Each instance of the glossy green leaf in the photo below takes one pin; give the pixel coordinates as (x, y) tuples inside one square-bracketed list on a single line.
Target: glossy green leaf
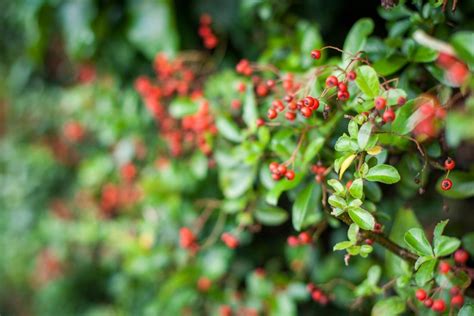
[(383, 173), (425, 272), (336, 201), (368, 81), (416, 240), (228, 129), (313, 148), (356, 39), (352, 232), (446, 246), (342, 245), (361, 217), (337, 186), (357, 188), (467, 310), (364, 135), (391, 306), (305, 202), (270, 215), (250, 112)]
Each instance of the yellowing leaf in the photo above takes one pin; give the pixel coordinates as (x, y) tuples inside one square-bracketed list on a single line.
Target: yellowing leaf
[(374, 150), (345, 164)]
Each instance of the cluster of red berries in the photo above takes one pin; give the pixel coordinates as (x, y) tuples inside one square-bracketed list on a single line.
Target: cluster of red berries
[(342, 93), (431, 113), (128, 172), (230, 240), (177, 77), (306, 107), (205, 32), (457, 72), (304, 238), (280, 170), (320, 172), (449, 165), (198, 126), (187, 239), (388, 115), (439, 305), (317, 294), (114, 197), (243, 67)]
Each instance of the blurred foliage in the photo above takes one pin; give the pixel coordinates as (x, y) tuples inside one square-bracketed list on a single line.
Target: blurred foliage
[(72, 61)]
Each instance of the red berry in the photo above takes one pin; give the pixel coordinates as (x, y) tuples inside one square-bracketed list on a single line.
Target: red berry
[(281, 169), (401, 100), (342, 86), (225, 310), (290, 116), (204, 284), (278, 105), (445, 60), (446, 184), (308, 101), (262, 90), (388, 115), (306, 111), (315, 54), (240, 87), (380, 103), (293, 241), (273, 167), (260, 122), (378, 228), (292, 106), (235, 104), (331, 81), (315, 105), (444, 267), (270, 83), (310, 287), (276, 176), (351, 76), (316, 295), (342, 95), (438, 305), (461, 256), (288, 98), (449, 164), (290, 175), (457, 73), (454, 291), (428, 302), (186, 237), (305, 238), (457, 300), (230, 240), (421, 294), (369, 242), (272, 114)]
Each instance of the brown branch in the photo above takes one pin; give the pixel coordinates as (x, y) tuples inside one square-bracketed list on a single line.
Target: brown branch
[(382, 240)]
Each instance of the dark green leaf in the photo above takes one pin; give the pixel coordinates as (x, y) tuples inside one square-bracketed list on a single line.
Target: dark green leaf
[(356, 39), (425, 272), (305, 201), (415, 239)]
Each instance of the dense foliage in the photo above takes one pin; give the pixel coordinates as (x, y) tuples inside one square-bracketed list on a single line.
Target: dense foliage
[(236, 157)]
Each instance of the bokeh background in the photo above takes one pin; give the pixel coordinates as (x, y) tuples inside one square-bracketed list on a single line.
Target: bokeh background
[(71, 61)]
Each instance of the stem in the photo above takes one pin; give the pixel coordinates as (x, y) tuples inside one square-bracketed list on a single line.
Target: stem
[(382, 240)]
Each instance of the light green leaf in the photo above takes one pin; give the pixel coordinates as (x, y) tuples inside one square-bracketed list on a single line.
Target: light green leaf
[(357, 188), (391, 306), (368, 81), (352, 232), (336, 201), (313, 149), (345, 143), (305, 201), (363, 218), (364, 135), (383, 173), (228, 129), (467, 310), (425, 272), (250, 113), (356, 39), (337, 186), (415, 239), (446, 246), (342, 245)]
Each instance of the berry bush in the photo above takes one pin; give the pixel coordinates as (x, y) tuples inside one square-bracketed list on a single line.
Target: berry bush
[(237, 157)]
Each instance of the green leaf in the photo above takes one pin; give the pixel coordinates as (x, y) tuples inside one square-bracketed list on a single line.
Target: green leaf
[(356, 39), (388, 66), (374, 274), (416, 240), (342, 245), (250, 113), (372, 191), (401, 123), (282, 185), (357, 188), (336, 201), (337, 186), (236, 180), (446, 246), (353, 129), (363, 218), (462, 43), (438, 231), (468, 243), (181, 107), (270, 215), (313, 148), (423, 54), (425, 272), (365, 250), (368, 81), (391, 306), (152, 27), (466, 310), (352, 232), (383, 173), (364, 135), (228, 129), (421, 260), (463, 185), (305, 201), (345, 143)]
